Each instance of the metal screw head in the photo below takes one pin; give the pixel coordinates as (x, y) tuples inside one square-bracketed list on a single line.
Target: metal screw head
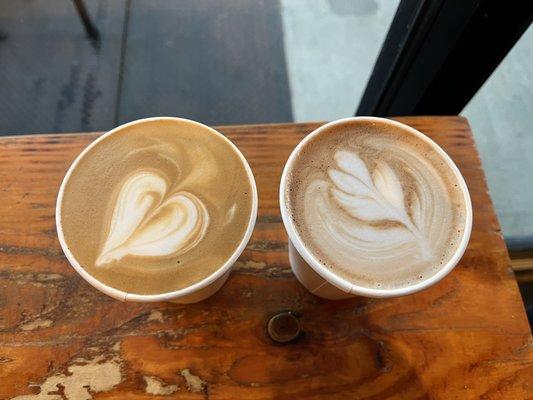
[(283, 327)]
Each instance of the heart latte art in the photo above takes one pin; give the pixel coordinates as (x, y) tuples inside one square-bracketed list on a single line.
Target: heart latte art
[(375, 204), (148, 223), (157, 206)]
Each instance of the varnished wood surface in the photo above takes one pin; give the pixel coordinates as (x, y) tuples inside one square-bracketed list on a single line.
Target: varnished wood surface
[(465, 338)]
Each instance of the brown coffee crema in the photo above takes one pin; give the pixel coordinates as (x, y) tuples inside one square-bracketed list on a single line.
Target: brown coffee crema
[(376, 204), (157, 206)]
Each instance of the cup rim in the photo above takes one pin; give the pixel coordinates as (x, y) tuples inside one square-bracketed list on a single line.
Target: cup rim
[(127, 296), (340, 282)]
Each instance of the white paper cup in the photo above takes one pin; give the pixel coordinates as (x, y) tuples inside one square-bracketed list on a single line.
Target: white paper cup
[(320, 280), (192, 294)]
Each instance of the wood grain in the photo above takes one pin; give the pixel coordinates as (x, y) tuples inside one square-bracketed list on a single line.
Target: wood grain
[(466, 337)]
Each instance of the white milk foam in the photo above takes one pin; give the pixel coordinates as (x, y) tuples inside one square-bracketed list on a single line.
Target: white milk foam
[(144, 225), (376, 205)]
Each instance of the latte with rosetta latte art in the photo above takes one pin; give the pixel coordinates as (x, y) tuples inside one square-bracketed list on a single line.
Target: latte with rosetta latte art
[(156, 206), (375, 204)]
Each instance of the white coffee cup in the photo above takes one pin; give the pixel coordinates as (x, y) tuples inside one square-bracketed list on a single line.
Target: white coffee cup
[(191, 294), (320, 280)]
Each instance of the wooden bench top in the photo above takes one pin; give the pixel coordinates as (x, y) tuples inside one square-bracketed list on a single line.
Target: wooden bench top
[(466, 337)]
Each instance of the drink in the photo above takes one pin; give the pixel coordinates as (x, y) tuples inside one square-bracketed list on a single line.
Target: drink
[(156, 206), (376, 204)]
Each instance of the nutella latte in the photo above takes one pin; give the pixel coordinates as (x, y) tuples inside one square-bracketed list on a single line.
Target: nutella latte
[(156, 206), (375, 204)]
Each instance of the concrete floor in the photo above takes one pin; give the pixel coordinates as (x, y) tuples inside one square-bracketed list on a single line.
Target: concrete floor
[(330, 49)]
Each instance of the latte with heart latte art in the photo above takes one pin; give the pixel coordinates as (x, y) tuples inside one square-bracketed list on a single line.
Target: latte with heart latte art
[(156, 206)]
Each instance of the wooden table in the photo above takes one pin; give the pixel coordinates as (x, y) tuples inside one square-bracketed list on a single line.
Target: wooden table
[(465, 338)]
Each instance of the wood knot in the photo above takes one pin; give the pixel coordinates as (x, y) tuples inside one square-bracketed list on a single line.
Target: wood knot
[(283, 327)]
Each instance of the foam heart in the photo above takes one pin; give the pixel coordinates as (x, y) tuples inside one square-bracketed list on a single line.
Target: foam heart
[(148, 223)]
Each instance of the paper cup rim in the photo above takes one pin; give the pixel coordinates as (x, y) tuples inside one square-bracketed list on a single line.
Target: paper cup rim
[(176, 294), (335, 279)]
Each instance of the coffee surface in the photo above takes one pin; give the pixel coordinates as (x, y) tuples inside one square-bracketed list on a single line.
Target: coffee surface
[(375, 204), (157, 206)]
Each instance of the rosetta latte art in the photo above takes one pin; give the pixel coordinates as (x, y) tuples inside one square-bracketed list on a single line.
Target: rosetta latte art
[(375, 204), (358, 213), (377, 197), (149, 222)]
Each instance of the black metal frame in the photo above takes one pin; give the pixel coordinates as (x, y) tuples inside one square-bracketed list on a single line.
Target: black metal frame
[(438, 53)]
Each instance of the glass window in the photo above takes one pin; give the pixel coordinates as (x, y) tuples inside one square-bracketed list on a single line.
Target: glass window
[(501, 117)]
